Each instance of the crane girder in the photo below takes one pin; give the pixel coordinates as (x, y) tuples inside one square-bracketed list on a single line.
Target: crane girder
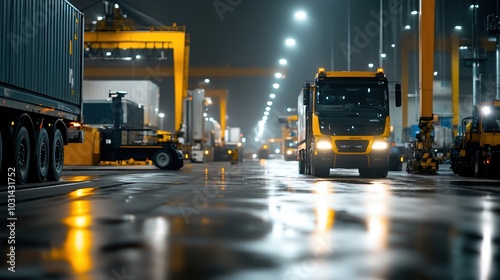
[(163, 71)]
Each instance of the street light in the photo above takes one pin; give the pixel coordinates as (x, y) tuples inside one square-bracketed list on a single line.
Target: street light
[(290, 42), (278, 75), (276, 85), (161, 115), (283, 61), (300, 15)]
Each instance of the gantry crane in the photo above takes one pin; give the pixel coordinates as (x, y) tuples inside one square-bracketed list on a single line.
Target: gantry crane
[(115, 32), (118, 33)]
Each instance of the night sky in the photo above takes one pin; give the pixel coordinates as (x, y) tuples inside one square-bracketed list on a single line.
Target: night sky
[(251, 33)]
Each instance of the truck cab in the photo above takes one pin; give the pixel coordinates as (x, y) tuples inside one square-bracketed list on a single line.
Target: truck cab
[(344, 122)]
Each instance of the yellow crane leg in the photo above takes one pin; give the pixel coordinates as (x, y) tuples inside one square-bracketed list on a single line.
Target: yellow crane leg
[(222, 95), (426, 50), (423, 160), (455, 68)]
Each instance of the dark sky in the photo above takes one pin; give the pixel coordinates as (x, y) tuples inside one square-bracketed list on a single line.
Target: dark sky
[(251, 33)]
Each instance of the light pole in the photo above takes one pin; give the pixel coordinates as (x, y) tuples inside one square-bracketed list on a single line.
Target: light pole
[(161, 115)]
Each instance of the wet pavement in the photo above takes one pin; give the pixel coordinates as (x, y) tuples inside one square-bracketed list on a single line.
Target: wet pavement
[(254, 220)]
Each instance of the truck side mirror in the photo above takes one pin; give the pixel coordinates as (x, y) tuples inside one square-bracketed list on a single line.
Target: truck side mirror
[(306, 93), (398, 95)]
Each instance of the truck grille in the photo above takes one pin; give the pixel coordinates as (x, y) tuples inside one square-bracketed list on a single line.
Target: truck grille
[(351, 146)]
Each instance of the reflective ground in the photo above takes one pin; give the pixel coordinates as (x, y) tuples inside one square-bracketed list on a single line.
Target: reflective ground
[(254, 220)]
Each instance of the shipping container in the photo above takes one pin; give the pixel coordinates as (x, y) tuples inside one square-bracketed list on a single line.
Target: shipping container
[(41, 71), (41, 53)]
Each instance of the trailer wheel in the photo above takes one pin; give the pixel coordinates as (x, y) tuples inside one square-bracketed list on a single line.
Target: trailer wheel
[(478, 164), (162, 159), (56, 157), (22, 155), (42, 157)]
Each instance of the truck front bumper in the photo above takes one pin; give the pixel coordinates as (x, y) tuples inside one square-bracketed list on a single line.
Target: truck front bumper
[(371, 160)]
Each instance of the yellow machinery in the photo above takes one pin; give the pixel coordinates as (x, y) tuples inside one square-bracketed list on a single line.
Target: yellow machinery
[(478, 150), (344, 122)]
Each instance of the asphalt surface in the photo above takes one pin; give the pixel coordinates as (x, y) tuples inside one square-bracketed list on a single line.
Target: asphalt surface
[(254, 220)]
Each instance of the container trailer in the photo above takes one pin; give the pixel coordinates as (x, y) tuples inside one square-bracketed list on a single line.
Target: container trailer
[(41, 68)]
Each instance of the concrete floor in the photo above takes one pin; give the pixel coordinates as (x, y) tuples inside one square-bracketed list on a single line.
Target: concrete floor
[(254, 220)]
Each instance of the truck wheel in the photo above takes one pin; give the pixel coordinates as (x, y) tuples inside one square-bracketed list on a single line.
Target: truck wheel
[(466, 171), (302, 163), (42, 157), (22, 155), (309, 163), (321, 171), (162, 159), (373, 172), (56, 156), (178, 163), (454, 164), (478, 164)]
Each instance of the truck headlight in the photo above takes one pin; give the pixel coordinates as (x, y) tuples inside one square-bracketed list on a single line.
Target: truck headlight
[(289, 152), (379, 145), (324, 145)]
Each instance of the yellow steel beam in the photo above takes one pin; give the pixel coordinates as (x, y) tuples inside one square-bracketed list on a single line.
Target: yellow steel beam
[(426, 51), (455, 87), (174, 38), (92, 72)]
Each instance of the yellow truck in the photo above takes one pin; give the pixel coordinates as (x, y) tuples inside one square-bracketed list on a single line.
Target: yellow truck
[(344, 122)]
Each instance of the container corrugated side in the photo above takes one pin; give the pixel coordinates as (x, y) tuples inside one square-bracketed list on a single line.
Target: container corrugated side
[(41, 50)]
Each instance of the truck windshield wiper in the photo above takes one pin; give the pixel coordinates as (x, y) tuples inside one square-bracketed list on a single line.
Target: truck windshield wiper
[(376, 108)]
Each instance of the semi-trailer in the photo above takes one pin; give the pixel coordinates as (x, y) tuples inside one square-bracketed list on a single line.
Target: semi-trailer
[(41, 70)]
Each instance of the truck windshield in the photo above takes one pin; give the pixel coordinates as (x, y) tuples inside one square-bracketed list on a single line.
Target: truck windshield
[(346, 94), (352, 106), (491, 122)]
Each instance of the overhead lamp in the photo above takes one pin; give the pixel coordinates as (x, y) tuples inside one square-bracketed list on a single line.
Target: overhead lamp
[(290, 42), (300, 15)]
